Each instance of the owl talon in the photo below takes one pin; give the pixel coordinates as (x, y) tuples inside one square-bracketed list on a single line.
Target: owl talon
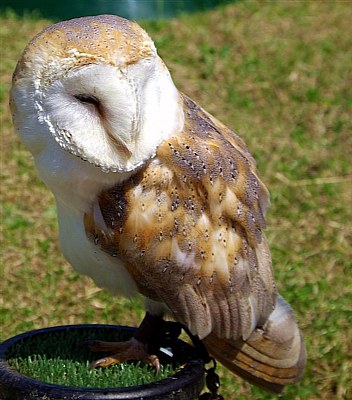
[(153, 361), (102, 362)]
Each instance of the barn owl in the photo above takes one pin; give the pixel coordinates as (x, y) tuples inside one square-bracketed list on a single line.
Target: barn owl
[(154, 195)]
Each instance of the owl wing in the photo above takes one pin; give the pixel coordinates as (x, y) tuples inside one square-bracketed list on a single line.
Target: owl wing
[(188, 226)]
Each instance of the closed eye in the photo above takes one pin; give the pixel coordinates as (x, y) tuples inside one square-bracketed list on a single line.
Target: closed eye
[(87, 99)]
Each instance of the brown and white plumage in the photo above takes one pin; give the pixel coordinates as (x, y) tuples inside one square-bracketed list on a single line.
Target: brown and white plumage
[(155, 195)]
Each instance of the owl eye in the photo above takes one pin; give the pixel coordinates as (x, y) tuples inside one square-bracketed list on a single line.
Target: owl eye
[(87, 99)]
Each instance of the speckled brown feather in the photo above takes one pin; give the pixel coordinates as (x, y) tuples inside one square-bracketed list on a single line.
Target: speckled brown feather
[(189, 227)]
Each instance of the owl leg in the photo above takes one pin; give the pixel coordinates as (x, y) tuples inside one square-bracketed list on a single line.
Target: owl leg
[(148, 338)]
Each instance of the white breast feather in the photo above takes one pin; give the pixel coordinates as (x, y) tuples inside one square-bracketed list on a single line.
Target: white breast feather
[(88, 259)]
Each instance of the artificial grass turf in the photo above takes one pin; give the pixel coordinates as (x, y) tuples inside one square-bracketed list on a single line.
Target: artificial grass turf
[(59, 358)]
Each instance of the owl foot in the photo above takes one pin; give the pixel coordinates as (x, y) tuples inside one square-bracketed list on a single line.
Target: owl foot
[(152, 334), (133, 349)]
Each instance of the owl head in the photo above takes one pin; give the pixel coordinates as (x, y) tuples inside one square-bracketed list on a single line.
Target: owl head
[(93, 89)]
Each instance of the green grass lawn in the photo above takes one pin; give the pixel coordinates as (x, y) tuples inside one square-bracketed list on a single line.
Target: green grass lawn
[(279, 74)]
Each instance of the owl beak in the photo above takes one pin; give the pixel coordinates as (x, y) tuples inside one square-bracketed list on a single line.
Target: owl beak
[(118, 143), (121, 147)]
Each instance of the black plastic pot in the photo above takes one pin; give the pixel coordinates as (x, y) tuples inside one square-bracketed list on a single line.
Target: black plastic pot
[(186, 384)]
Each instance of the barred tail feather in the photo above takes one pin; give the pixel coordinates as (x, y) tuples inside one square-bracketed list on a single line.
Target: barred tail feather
[(272, 357)]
